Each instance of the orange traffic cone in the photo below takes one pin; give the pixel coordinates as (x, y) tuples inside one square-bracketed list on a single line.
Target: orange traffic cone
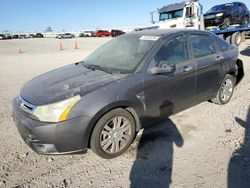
[(75, 45), (18, 50), (61, 46)]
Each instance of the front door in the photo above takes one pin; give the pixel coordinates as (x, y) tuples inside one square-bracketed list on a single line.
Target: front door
[(170, 92)]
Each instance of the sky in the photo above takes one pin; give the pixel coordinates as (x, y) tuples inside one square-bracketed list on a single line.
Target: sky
[(37, 15)]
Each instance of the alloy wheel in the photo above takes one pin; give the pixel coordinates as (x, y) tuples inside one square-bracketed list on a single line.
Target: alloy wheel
[(226, 90), (116, 134)]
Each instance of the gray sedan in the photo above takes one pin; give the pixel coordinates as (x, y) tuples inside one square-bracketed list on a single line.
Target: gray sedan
[(125, 85), (65, 36)]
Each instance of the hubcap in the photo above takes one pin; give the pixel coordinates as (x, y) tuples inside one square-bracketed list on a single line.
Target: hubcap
[(115, 134), (226, 90)]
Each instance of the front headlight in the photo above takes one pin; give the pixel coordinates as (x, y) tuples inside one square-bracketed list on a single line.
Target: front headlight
[(219, 14), (56, 112)]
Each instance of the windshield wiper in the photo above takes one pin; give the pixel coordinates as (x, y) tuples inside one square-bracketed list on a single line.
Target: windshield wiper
[(98, 67), (85, 65)]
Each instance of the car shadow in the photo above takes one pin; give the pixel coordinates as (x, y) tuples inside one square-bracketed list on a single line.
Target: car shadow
[(154, 158), (245, 52), (239, 164)]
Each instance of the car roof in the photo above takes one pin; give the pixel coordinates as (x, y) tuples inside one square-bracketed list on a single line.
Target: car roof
[(165, 32), (235, 2)]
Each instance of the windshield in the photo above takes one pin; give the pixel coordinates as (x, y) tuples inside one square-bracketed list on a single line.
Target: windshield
[(171, 15), (121, 54), (219, 8)]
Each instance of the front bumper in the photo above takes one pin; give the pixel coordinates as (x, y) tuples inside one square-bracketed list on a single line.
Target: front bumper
[(70, 136), (217, 21)]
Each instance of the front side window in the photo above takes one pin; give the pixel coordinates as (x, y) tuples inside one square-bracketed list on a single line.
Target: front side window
[(236, 7), (175, 51), (202, 45)]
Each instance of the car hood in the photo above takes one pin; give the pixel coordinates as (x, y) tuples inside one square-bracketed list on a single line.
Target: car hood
[(65, 82)]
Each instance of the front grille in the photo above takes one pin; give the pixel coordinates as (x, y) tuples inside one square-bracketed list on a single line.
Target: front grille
[(209, 17)]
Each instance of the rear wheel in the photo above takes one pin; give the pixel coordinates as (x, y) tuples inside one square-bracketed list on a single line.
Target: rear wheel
[(113, 133), (236, 38), (225, 92)]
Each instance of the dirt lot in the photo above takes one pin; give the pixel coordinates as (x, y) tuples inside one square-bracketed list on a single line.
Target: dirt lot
[(199, 147)]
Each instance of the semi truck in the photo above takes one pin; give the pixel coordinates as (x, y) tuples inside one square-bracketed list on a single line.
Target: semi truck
[(189, 14)]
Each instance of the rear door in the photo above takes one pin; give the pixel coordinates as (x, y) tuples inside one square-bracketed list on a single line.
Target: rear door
[(209, 62)]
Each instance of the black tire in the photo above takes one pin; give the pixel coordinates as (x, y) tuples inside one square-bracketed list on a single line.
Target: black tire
[(114, 136), (226, 23), (220, 99), (236, 38)]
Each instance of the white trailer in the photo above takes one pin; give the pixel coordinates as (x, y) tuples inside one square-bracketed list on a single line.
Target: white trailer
[(189, 14)]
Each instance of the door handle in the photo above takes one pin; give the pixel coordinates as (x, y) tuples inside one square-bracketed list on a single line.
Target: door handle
[(187, 69), (218, 58)]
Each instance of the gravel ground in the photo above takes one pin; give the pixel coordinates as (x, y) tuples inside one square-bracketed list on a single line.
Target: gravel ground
[(199, 147)]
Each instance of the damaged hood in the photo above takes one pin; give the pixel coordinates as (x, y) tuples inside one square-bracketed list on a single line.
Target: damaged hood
[(65, 82)]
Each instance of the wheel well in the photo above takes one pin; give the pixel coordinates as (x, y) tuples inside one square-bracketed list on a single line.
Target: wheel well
[(127, 108), (239, 71), (231, 73)]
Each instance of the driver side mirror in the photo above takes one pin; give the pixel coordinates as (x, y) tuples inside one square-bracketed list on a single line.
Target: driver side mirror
[(164, 67)]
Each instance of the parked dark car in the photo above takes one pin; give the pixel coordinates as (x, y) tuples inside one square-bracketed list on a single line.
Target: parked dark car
[(15, 36), (2, 36), (31, 35), (8, 36), (125, 85), (115, 33), (65, 36), (227, 14), (23, 36), (39, 35)]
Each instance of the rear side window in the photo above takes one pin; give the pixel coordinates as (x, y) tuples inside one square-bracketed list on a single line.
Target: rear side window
[(223, 45), (202, 45)]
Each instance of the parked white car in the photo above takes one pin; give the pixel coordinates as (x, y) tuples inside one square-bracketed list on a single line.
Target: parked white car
[(86, 34)]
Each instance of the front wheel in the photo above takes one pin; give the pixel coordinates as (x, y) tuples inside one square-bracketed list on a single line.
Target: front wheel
[(225, 92), (113, 133), (245, 21), (226, 23)]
